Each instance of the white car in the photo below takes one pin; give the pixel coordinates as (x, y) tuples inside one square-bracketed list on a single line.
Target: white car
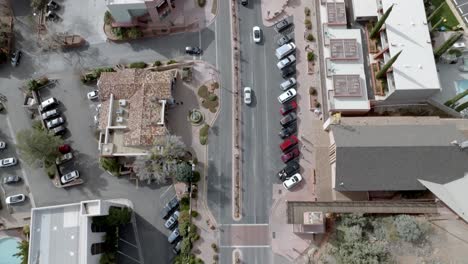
[(288, 83), (247, 95), (69, 177), (93, 95), (55, 122), (2, 145), (286, 62), (14, 199), (8, 162), (286, 96), (293, 181), (257, 34)]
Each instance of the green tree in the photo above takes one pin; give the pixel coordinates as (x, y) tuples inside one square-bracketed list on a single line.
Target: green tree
[(379, 24), (447, 44), (36, 145), (169, 148), (110, 164), (23, 251), (408, 228), (184, 172), (432, 15), (134, 33), (118, 216), (383, 72)]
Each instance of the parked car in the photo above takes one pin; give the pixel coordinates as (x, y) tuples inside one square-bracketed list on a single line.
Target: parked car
[(169, 208), (59, 130), (287, 96), (93, 95), (8, 162), (247, 95), (193, 50), (294, 153), (281, 25), (52, 5), (64, 149), (287, 131), (55, 122), (15, 58), (289, 143), (64, 158), (286, 62), (257, 34), (283, 40), (177, 247), (52, 16), (2, 145), (289, 170), (244, 2), (288, 107), (288, 71), (293, 181), (174, 236), (172, 221), (285, 50), (69, 177), (288, 83), (288, 119), (11, 179), (49, 114), (48, 104), (14, 199)]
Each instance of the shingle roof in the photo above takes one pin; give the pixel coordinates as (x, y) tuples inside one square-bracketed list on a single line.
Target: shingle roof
[(394, 157)]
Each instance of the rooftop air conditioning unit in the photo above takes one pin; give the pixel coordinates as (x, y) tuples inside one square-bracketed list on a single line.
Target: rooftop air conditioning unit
[(123, 102), (119, 119)]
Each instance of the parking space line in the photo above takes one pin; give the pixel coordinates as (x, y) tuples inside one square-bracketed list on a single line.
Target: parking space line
[(162, 194), (121, 239), (135, 260), (463, 4), (455, 1)]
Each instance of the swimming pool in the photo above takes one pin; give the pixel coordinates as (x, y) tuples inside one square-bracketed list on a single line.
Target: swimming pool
[(462, 85), (7, 249)]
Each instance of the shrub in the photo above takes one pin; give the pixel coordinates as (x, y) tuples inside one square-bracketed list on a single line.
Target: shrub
[(203, 91), (196, 176), (215, 85), (310, 56), (171, 62), (215, 257), (186, 246), (212, 97), (107, 18), (203, 140), (134, 33), (119, 32), (194, 214), (312, 91), (137, 65), (455, 52), (201, 3), (204, 130), (157, 63), (308, 23), (306, 11), (37, 125), (51, 170), (310, 37), (408, 228), (111, 165), (214, 247), (185, 203), (317, 104)]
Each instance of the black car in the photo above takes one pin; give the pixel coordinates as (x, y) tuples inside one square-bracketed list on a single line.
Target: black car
[(60, 130), (15, 58), (193, 50), (244, 2), (288, 119), (283, 40), (52, 16), (291, 168), (52, 5), (11, 179), (288, 71), (169, 208), (282, 25), (287, 131), (50, 114)]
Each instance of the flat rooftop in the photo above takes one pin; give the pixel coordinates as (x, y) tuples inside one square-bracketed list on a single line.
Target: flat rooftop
[(56, 234), (364, 8), (344, 49), (407, 30), (120, 2), (347, 85), (336, 13)]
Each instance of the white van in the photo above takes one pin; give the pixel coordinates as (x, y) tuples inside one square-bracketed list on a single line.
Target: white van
[(47, 104), (287, 96), (285, 50)]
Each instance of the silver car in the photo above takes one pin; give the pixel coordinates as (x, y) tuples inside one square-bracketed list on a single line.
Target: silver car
[(55, 122), (8, 162), (69, 177), (14, 199), (174, 236)]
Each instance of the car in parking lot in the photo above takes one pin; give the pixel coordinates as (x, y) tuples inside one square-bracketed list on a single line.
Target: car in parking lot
[(14, 199), (8, 162), (257, 34), (2, 145), (52, 16), (289, 143), (288, 83), (283, 40), (288, 107), (52, 5), (169, 208), (93, 95), (286, 62), (174, 236), (288, 71), (59, 130), (285, 50), (288, 119), (50, 114), (64, 149), (15, 57), (193, 50), (247, 95), (11, 179), (244, 2), (55, 122), (287, 96), (69, 177), (294, 153), (292, 181), (48, 104), (289, 170), (281, 25), (172, 221), (64, 158), (287, 131), (177, 247)]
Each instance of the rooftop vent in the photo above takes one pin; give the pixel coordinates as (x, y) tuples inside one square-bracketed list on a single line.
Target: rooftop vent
[(119, 119), (123, 102)]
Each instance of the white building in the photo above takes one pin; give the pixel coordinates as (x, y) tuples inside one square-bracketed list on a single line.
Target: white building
[(364, 10), (63, 234)]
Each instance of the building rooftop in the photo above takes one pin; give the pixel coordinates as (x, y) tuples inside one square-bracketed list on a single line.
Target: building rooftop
[(394, 157), (336, 13), (120, 2), (347, 85), (364, 8), (407, 30), (344, 49)]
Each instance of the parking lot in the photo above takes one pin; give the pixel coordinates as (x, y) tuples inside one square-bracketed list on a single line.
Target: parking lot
[(462, 7)]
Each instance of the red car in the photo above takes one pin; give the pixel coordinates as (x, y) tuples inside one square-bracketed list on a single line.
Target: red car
[(64, 149), (288, 143), (288, 107), (290, 155)]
